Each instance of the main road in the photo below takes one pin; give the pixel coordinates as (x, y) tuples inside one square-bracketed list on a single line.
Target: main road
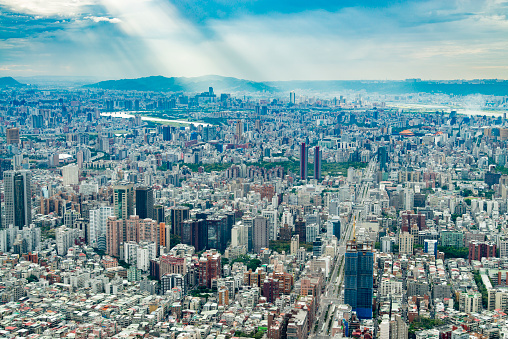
[(333, 290)]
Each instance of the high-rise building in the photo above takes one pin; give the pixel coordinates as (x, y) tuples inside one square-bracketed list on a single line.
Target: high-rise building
[(144, 202), (301, 229), (178, 214), (303, 161), (65, 238), (12, 136), (292, 97), (123, 200), (260, 236), (98, 224), (295, 244), (382, 158), (18, 198), (115, 236), (70, 174), (317, 163), (406, 243), (239, 129), (358, 278), (481, 249), (209, 268), (166, 133), (159, 214), (194, 233)]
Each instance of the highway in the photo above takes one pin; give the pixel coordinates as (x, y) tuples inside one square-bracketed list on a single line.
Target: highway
[(332, 290)]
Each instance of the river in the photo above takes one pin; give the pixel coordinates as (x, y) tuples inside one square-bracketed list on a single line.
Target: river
[(127, 115)]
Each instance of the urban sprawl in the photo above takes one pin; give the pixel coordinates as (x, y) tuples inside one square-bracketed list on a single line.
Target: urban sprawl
[(129, 214)]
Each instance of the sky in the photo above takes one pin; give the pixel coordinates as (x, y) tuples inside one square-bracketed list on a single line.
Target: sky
[(256, 39)]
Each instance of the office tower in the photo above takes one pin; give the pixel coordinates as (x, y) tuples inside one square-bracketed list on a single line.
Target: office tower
[(303, 161), (144, 202), (336, 226), (301, 230), (177, 215), (5, 165), (158, 214), (216, 229), (70, 174), (317, 163), (260, 236), (98, 224), (311, 232), (123, 200), (317, 247), (18, 198), (358, 278), (272, 216), (12, 136), (166, 133), (382, 158), (194, 233), (292, 97)]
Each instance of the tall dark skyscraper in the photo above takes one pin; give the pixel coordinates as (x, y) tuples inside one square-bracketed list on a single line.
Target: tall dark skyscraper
[(382, 157), (178, 214), (166, 133), (144, 202), (317, 163), (303, 161), (18, 198), (159, 214), (359, 272)]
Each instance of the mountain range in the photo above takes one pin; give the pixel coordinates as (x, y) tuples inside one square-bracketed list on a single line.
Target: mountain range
[(183, 84), (9, 82), (222, 84), (229, 85)]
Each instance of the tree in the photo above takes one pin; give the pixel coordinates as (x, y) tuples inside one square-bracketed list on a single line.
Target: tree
[(175, 240)]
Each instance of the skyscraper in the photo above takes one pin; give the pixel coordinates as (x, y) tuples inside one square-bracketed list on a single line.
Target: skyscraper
[(178, 214), (303, 161), (317, 163), (260, 235), (359, 272), (18, 198), (70, 174), (123, 201), (144, 202), (12, 136)]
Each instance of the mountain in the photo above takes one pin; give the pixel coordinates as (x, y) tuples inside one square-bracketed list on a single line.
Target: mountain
[(398, 87), (178, 84), (9, 82)]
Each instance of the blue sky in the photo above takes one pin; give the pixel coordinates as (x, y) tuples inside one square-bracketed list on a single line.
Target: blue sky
[(258, 40)]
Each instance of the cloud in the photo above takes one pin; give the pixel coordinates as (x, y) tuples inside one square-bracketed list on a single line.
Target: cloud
[(66, 8), (103, 19), (259, 40)]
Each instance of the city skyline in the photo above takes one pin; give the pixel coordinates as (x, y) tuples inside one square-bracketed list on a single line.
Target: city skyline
[(255, 40)]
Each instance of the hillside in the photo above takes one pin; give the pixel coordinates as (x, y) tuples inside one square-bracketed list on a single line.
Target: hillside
[(182, 84)]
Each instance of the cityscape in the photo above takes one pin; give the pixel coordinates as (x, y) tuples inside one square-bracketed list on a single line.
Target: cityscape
[(251, 169), (207, 215)]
